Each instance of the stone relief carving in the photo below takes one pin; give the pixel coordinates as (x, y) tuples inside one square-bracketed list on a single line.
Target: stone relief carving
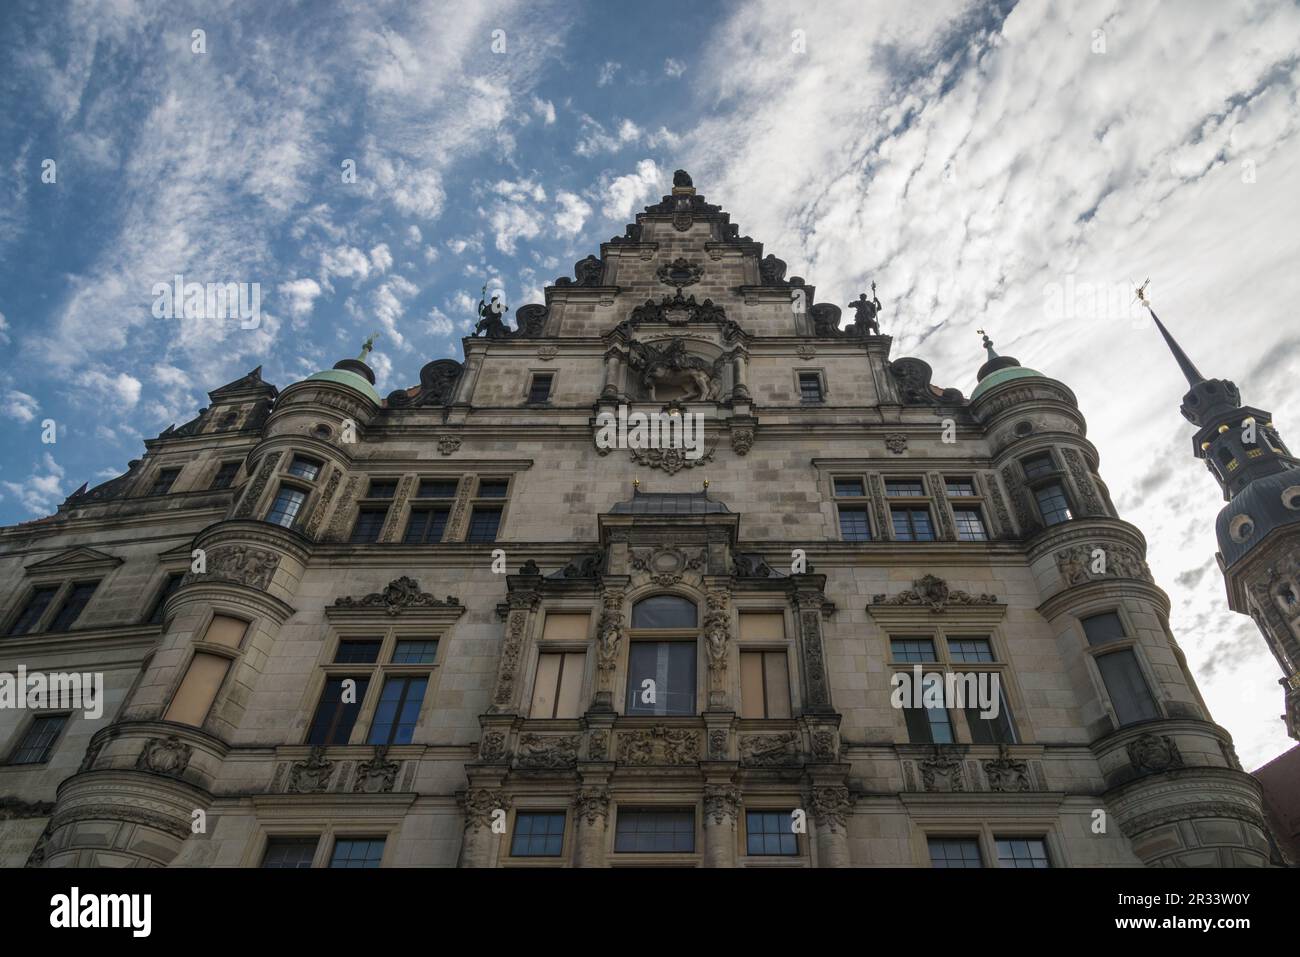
[(258, 485), (896, 442), (311, 776), (1154, 753), (680, 272), (948, 531), (673, 365), (933, 593), (323, 503), (771, 271), (717, 637), (1077, 563), (438, 380), (814, 668), (169, 756), (659, 745), (912, 378), (1083, 481), (598, 746), (241, 564), (12, 808), (547, 752), (1005, 773), (941, 771), (878, 503), (398, 595), (448, 444), (671, 461), (667, 564), (343, 510), (679, 310), (1019, 501), (993, 495), (396, 508), (547, 353), (742, 440), (591, 805), (378, 775), (769, 750), (479, 805), (492, 749), (823, 746), (521, 606), (831, 805), (721, 802), (718, 745)]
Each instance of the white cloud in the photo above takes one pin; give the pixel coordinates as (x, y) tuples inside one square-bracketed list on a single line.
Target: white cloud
[(625, 193), (4, 330), (346, 261), (596, 139), (19, 405), (573, 213), (413, 235), (123, 388), (430, 254), (380, 258), (511, 222), (41, 492), (440, 323), (545, 109), (388, 306), (520, 190), (674, 68), (301, 295), (458, 244), (382, 367), (607, 71)]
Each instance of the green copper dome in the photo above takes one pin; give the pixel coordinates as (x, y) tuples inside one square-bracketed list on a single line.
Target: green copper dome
[(350, 379), (1001, 376)]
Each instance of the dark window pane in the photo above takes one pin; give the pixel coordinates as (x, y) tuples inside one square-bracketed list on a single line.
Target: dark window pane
[(73, 606), (382, 488), (540, 390), (304, 468), (225, 476), (654, 831), (415, 652), (290, 852), (955, 852), (770, 832), (854, 525), (912, 649), (929, 725), (437, 488), (354, 652), (538, 834), (398, 710), (335, 717), (999, 730), (904, 487), (285, 508), (960, 488), (38, 742), (912, 524), (1037, 465), (849, 488), (36, 605), (172, 583), (810, 387), (493, 488), (1022, 852), (670, 665), (1104, 628), (970, 649), (426, 526), (357, 852), (483, 525), (1053, 504), (163, 483), (1129, 694), (970, 525), (664, 611), (370, 523)]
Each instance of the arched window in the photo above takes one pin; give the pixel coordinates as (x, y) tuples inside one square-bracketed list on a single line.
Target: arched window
[(661, 671)]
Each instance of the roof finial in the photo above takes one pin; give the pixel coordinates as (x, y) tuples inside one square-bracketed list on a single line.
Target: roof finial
[(367, 347), (988, 344), (1190, 371)]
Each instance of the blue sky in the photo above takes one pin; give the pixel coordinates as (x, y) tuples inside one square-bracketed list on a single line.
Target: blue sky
[(1010, 166)]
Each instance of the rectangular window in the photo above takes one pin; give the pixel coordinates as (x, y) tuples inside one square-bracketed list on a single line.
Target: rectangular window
[(540, 390), (162, 484), (929, 725), (810, 387), (285, 508), (38, 743), (398, 710), (304, 468), (968, 650), (1053, 504), (357, 852), (557, 692), (912, 524), (764, 684), (646, 831), (198, 689), (294, 853), (225, 476), (970, 525), (369, 526), (670, 667), (73, 606), (854, 524), (1129, 694), (415, 651), (538, 834), (493, 488), (912, 488), (955, 852), (849, 488), (437, 488), (223, 630), (335, 716), (426, 526), (34, 610), (999, 730), (960, 487), (1104, 628), (563, 626), (382, 488), (169, 587), (354, 651), (1022, 852), (483, 524), (912, 649), (1038, 465), (770, 833)]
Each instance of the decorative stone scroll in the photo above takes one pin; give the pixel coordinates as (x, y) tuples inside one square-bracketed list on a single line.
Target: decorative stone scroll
[(169, 756), (378, 775), (241, 564), (398, 595), (659, 745), (1080, 564), (1005, 773), (769, 750), (311, 776), (933, 593), (547, 752)]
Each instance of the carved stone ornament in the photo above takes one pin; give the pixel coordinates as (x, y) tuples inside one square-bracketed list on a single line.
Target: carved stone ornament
[(259, 483), (378, 775), (769, 750), (753, 566), (169, 756), (598, 746), (1005, 773), (448, 444), (480, 805), (806, 352), (721, 802), (941, 771), (771, 271), (1080, 564), (742, 440), (823, 746), (673, 364), (671, 461), (896, 442), (437, 386), (831, 806), (588, 272), (717, 745), (934, 593), (547, 752), (398, 595), (492, 749), (547, 353), (912, 378), (311, 776), (679, 310), (668, 564), (659, 745), (1154, 753), (13, 808), (241, 564), (680, 272), (591, 805)]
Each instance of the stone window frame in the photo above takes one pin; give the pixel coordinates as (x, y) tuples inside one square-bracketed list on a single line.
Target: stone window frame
[(64, 577), (820, 371), (770, 803), (928, 499), (198, 646), (1131, 642), (623, 673), (388, 634), (533, 373), (863, 502), (1041, 823), (539, 804), (654, 802), (475, 501), (157, 592), (976, 501), (366, 500), (1058, 476), (540, 646), (326, 827), (147, 488), (939, 634), (794, 675), (24, 727), (220, 462)]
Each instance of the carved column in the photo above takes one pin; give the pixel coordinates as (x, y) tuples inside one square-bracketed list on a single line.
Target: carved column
[(613, 373), (830, 811), (481, 843), (717, 643), (942, 507), (609, 643), (523, 600), (591, 814), (809, 597), (721, 808), (740, 374)]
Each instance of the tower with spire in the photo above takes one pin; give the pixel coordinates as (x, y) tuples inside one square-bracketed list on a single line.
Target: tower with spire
[(1258, 530)]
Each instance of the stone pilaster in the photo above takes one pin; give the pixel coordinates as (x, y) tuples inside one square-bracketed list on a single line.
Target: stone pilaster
[(721, 809), (591, 817), (485, 819), (831, 805), (809, 599), (522, 602)]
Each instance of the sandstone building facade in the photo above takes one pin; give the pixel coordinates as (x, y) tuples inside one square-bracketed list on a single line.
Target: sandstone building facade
[(448, 628)]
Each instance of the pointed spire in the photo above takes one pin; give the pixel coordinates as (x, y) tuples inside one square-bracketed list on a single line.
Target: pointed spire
[(1193, 374), (988, 345)]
